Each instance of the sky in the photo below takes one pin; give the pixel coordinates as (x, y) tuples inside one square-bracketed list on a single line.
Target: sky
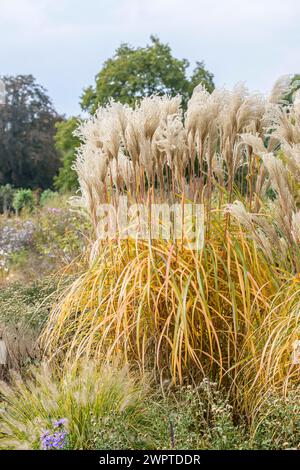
[(64, 43)]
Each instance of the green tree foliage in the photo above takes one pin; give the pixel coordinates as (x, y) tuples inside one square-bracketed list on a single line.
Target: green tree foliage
[(201, 75), (23, 198), (47, 196), (6, 197), (66, 144), (295, 85), (28, 157), (133, 73)]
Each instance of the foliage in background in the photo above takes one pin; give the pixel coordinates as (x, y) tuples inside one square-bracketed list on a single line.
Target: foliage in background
[(40, 242), (47, 197), (66, 144), (15, 237), (23, 199), (28, 157), (6, 198), (295, 85), (201, 76), (61, 235), (133, 73)]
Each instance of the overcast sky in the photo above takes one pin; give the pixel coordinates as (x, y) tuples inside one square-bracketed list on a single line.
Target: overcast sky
[(63, 43)]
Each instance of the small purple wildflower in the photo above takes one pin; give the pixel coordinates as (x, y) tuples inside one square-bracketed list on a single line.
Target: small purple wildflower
[(57, 439), (60, 423)]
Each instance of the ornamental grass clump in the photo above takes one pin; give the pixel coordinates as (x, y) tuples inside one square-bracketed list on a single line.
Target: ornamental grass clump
[(227, 309), (178, 311), (51, 410)]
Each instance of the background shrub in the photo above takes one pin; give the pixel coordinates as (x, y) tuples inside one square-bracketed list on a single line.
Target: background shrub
[(23, 198), (47, 196), (6, 197)]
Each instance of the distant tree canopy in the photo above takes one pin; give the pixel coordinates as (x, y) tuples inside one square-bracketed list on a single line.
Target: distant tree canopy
[(66, 145), (28, 157), (133, 73)]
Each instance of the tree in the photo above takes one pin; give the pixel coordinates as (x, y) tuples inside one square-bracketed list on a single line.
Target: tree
[(133, 73), (66, 144), (23, 198), (28, 157), (201, 75)]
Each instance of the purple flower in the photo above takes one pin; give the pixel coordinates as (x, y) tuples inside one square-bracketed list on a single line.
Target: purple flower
[(54, 441), (57, 439), (61, 422)]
